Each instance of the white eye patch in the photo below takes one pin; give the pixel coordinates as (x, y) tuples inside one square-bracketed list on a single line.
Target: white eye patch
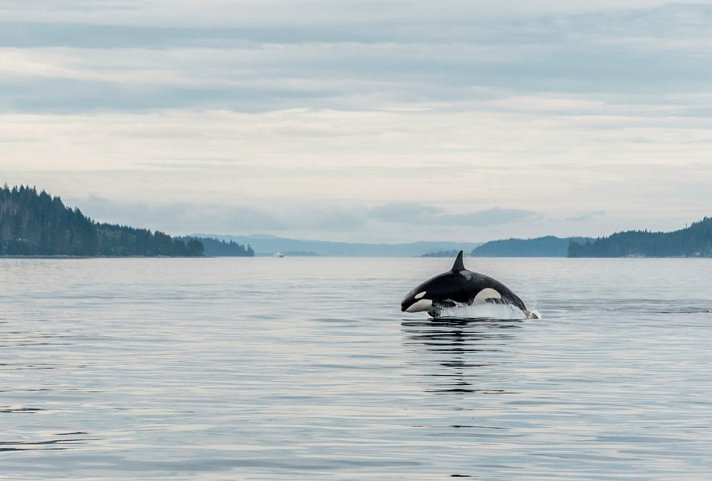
[(419, 295)]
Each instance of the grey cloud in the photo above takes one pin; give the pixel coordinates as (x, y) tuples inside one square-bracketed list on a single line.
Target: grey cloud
[(430, 215), (82, 35), (296, 216), (137, 214), (448, 60), (401, 211), (334, 218), (493, 216), (71, 95), (187, 218), (290, 13), (492, 91), (584, 216)]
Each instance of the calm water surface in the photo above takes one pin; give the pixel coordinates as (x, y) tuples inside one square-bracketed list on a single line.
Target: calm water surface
[(304, 369)]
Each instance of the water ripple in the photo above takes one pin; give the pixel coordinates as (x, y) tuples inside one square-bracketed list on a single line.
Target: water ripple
[(221, 369)]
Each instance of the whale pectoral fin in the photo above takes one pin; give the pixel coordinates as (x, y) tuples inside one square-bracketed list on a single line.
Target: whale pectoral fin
[(447, 303)]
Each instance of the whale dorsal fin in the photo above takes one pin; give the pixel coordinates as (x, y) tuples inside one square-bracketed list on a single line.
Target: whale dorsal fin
[(458, 265)]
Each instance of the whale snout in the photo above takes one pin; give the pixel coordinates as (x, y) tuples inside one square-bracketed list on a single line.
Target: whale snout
[(413, 302)]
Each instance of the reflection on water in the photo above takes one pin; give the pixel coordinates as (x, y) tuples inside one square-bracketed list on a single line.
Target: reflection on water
[(451, 353)]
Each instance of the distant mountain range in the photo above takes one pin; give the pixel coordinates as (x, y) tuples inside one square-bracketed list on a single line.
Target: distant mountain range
[(267, 245), (693, 241), (549, 246)]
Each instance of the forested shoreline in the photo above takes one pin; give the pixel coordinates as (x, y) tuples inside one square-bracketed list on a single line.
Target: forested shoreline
[(692, 241), (36, 224), (548, 246)]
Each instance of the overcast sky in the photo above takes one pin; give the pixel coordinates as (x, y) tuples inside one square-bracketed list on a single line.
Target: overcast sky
[(363, 120)]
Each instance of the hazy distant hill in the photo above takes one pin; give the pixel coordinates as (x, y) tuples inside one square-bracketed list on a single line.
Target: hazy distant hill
[(548, 246), (268, 245), (36, 224), (693, 241)]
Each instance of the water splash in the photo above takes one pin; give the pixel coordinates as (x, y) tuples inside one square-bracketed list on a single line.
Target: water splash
[(506, 312)]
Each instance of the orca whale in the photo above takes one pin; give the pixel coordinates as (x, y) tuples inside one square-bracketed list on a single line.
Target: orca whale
[(459, 286)]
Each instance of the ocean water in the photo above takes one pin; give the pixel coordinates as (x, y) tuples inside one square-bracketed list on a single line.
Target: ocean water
[(305, 369)]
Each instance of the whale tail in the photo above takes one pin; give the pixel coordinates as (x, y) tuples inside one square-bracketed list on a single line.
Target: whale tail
[(459, 265)]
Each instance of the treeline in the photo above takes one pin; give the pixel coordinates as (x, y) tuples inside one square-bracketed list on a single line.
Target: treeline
[(121, 241), (219, 248), (549, 246), (37, 224), (693, 241)]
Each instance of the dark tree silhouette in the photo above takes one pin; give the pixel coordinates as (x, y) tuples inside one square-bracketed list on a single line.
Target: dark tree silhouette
[(36, 224), (693, 241), (219, 248), (548, 246)]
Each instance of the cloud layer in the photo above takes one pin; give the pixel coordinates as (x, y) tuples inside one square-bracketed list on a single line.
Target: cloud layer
[(363, 120)]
